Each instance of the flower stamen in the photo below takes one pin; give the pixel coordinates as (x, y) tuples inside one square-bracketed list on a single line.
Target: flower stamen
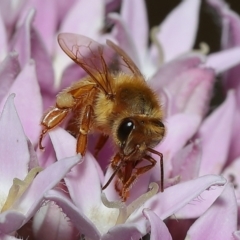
[(126, 211), (153, 36), (19, 187)]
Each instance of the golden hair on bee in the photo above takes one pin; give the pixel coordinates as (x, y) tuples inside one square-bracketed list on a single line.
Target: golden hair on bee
[(117, 105)]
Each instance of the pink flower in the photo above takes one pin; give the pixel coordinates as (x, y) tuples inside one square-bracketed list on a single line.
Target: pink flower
[(23, 182), (196, 146)]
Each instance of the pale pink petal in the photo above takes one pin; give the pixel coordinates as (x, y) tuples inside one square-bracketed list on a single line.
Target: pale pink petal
[(78, 218), (33, 156), (234, 149), (3, 40), (10, 221), (167, 73), (82, 12), (186, 162), (63, 142), (9, 69), (134, 15), (132, 231), (8, 237), (83, 181), (178, 31), (188, 86), (45, 20), (232, 174), (30, 201), (158, 228), (14, 155), (44, 68), (112, 5), (236, 235), (180, 128), (71, 74), (51, 223), (167, 203), (21, 41), (123, 36), (219, 221), (28, 44), (10, 11), (192, 90), (200, 204), (223, 60), (215, 144), (63, 7), (28, 101), (230, 21)]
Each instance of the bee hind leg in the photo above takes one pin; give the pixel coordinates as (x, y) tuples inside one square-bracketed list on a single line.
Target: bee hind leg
[(52, 119)]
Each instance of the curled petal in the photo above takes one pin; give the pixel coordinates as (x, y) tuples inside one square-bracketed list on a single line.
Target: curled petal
[(51, 223), (84, 11), (21, 42), (232, 174), (28, 100), (166, 203), (218, 62), (180, 128), (134, 19), (10, 221), (216, 145), (44, 181), (83, 181), (9, 69), (82, 223), (219, 221), (158, 228), (186, 163), (185, 23), (14, 157)]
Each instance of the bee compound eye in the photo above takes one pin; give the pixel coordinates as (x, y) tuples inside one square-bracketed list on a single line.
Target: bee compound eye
[(161, 124), (125, 129)]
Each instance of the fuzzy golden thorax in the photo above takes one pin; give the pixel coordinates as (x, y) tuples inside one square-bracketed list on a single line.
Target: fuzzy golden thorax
[(133, 117)]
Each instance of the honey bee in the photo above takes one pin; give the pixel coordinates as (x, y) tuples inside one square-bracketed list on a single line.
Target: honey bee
[(120, 105)]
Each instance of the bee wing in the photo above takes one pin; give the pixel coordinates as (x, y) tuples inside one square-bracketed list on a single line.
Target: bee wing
[(89, 54), (130, 64)]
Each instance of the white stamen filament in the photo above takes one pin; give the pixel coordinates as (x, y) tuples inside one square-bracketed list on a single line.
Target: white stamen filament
[(126, 211), (153, 36)]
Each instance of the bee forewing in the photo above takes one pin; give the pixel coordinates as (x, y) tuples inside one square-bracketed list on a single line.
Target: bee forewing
[(130, 64), (81, 49), (92, 56)]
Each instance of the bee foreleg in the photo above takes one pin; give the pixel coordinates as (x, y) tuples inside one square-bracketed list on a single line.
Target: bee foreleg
[(84, 130), (161, 166), (139, 171)]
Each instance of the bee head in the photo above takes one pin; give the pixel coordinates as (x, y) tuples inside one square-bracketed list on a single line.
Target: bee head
[(139, 133)]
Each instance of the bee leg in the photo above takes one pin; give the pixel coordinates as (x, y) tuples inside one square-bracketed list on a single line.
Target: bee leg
[(161, 166), (52, 119), (139, 171), (84, 129), (116, 166), (100, 143)]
